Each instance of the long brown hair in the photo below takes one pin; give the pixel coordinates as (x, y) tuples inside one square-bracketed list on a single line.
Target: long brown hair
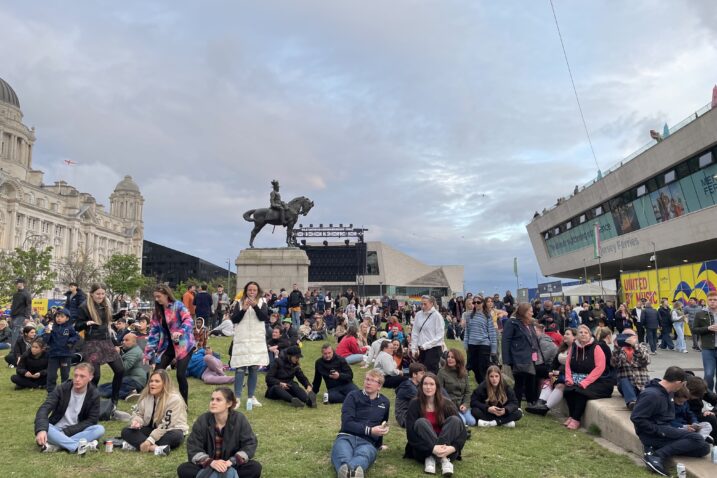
[(521, 310), (158, 309), (460, 362), (440, 404), (496, 395), (92, 307)]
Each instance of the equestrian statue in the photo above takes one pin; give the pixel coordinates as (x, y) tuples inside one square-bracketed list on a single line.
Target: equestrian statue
[(278, 213)]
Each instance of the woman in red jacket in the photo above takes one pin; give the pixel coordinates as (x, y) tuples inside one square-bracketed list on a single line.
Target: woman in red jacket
[(349, 348)]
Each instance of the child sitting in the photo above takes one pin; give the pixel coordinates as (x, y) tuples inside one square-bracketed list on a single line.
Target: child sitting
[(685, 419)]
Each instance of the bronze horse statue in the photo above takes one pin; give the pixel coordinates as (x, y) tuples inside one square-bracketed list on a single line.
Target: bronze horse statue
[(263, 216)]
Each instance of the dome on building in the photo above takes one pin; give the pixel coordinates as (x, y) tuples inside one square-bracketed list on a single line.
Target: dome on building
[(127, 185), (7, 94)]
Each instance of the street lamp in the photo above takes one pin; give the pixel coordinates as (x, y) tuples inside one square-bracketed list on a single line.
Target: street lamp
[(657, 270), (380, 289)]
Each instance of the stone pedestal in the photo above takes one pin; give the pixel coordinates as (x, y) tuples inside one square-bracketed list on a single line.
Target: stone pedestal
[(273, 268)]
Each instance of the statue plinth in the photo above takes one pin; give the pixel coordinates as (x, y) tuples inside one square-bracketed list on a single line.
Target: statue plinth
[(273, 268)]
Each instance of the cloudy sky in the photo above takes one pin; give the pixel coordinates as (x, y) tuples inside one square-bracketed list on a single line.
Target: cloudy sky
[(438, 125)]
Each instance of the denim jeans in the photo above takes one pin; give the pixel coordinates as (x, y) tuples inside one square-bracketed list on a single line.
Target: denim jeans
[(354, 358), (680, 344), (253, 372), (354, 451), (296, 319), (468, 418), (709, 362), (627, 390), (56, 437)]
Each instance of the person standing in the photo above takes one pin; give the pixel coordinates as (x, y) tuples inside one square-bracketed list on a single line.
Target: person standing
[(706, 328), (188, 299), (95, 319), (691, 310), (74, 298), (20, 308), (61, 338), (665, 314), (203, 303), (249, 350), (678, 323), (638, 320), (427, 334), (171, 336), (220, 304), (480, 338), (651, 321), (295, 302), (521, 351)]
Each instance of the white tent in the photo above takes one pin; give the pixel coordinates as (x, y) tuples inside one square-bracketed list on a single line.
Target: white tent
[(608, 289)]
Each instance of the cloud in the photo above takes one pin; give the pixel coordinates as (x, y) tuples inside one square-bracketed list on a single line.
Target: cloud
[(440, 126)]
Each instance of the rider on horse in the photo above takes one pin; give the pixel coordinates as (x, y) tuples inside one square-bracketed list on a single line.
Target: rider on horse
[(276, 203)]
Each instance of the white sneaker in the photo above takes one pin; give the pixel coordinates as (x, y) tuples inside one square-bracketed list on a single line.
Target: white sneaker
[(121, 416), (485, 423), (430, 465), (50, 448), (132, 397), (254, 402), (509, 425), (161, 450), (90, 446), (326, 398), (446, 467), (127, 446)]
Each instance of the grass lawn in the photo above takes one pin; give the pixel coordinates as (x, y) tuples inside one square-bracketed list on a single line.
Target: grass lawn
[(297, 443)]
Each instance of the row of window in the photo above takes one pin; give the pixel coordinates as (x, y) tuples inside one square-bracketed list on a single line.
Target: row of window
[(682, 170)]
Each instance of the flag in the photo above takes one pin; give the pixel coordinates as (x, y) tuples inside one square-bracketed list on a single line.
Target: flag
[(596, 249), (515, 266)]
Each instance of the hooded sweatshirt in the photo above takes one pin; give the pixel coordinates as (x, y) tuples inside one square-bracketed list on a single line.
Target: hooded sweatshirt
[(653, 413)]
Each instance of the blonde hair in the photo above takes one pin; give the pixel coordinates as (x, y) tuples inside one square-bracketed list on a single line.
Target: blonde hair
[(163, 399), (376, 374), (3, 322)]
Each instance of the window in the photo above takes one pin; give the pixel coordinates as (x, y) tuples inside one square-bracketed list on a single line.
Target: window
[(641, 190), (705, 160), (683, 170), (568, 225), (598, 210), (556, 231), (669, 176), (582, 218), (372, 263)]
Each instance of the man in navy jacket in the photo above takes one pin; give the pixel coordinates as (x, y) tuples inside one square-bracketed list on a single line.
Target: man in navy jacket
[(363, 425), (651, 417)]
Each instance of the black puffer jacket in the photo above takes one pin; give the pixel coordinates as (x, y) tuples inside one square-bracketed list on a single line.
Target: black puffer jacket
[(55, 406), (283, 371)]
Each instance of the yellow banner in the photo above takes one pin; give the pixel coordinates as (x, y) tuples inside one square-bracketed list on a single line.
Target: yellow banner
[(40, 305), (676, 283)]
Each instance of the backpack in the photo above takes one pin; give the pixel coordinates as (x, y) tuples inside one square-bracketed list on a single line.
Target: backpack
[(106, 409)]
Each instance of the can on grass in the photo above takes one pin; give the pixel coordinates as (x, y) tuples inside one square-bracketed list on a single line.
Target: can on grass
[(681, 470), (249, 404), (714, 455), (109, 446)]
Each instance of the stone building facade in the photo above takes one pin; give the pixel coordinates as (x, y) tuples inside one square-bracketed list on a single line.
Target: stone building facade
[(36, 214)]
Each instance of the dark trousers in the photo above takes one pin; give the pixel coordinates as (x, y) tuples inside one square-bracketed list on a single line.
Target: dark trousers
[(128, 385), (479, 361), (338, 394), (294, 391), (690, 444), (180, 367), (393, 381), (508, 417), (652, 339), (24, 382), (525, 383), (451, 432), (118, 373), (640, 332), (431, 358), (250, 469), (666, 338), (135, 437), (53, 363), (577, 398)]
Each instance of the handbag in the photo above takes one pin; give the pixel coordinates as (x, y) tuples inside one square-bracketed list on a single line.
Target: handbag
[(528, 368)]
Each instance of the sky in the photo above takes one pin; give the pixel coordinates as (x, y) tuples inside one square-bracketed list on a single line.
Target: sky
[(438, 125)]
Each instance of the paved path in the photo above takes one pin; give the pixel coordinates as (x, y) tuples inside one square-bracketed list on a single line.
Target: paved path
[(665, 358)]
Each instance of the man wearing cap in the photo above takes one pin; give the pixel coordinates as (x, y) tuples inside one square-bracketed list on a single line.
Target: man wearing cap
[(60, 337), (427, 334), (289, 332), (280, 383), (20, 308)]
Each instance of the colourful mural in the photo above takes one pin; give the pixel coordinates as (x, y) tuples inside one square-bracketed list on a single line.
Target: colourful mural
[(675, 283)]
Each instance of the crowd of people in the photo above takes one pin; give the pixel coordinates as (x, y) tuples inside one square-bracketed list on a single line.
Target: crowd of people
[(540, 352)]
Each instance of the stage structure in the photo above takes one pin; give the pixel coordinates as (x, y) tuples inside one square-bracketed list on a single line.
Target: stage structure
[(335, 263)]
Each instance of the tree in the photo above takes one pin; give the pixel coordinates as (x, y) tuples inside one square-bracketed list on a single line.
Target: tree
[(122, 274), (80, 269), (7, 278), (33, 265), (146, 292)]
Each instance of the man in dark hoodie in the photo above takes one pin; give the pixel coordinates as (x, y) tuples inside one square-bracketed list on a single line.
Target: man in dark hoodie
[(74, 299), (651, 417), (337, 374), (280, 383)]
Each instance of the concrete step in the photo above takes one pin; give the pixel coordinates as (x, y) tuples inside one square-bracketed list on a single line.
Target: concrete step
[(613, 419)]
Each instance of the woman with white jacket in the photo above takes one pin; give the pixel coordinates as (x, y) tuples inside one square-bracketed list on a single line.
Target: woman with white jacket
[(385, 363), (249, 350)]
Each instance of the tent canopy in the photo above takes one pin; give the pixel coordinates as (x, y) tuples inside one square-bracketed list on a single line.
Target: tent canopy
[(591, 289)]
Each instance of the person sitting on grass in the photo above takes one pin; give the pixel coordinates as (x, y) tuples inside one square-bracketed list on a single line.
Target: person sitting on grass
[(289, 332), (454, 379), (280, 384), (349, 348), (434, 429), (32, 369), (21, 345), (60, 337), (70, 414), (221, 443), (159, 420), (393, 376), (5, 335), (686, 420), (337, 374), (200, 332), (214, 373), (630, 359), (364, 417), (225, 328), (651, 418), (494, 402), (407, 391), (305, 330), (276, 344), (135, 373)]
